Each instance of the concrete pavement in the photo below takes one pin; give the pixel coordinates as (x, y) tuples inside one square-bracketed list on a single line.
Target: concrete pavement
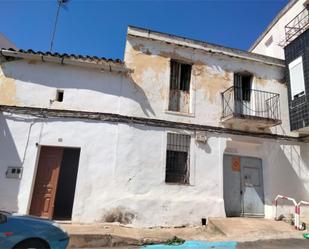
[(264, 244), (231, 229)]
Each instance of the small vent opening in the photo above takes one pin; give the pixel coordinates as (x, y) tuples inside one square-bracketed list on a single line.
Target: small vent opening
[(59, 95)]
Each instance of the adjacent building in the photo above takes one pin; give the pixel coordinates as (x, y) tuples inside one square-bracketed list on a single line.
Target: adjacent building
[(6, 43), (290, 22), (179, 131), (288, 37)]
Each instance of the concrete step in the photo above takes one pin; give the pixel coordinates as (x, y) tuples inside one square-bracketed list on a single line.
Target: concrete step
[(250, 229)]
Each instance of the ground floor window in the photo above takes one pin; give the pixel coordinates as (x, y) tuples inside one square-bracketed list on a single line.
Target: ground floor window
[(177, 158)]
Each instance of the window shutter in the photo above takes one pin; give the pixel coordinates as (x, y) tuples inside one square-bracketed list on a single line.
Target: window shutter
[(297, 82), (175, 70)]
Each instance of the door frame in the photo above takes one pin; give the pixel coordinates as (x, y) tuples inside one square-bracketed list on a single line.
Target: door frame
[(34, 175), (35, 171)]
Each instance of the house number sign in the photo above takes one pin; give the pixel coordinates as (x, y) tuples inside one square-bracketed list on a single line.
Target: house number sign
[(236, 163)]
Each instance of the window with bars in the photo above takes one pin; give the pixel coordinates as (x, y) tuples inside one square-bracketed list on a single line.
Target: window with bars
[(180, 78), (177, 158)]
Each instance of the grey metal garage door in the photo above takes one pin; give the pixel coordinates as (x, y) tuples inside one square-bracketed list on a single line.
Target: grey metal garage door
[(243, 186)]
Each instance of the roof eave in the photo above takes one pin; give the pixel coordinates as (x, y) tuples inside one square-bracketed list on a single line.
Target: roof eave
[(101, 65), (207, 47)]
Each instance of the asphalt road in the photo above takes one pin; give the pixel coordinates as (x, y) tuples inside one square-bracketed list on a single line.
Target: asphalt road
[(276, 244)]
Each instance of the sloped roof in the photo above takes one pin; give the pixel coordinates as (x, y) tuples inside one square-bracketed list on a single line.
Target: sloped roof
[(63, 58)]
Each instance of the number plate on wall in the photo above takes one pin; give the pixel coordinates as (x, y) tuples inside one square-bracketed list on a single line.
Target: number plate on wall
[(236, 163)]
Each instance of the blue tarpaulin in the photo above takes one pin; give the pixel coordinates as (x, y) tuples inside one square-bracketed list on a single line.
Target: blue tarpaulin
[(195, 245)]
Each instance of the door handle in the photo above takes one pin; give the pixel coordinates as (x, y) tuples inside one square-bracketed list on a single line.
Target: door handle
[(240, 192)]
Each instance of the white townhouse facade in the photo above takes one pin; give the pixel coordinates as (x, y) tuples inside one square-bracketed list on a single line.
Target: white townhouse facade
[(179, 131)]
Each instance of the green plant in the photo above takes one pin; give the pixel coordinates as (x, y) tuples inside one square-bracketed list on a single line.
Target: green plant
[(175, 241)]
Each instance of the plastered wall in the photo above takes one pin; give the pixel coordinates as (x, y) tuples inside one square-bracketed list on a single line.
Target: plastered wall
[(122, 167), (122, 170), (211, 75)]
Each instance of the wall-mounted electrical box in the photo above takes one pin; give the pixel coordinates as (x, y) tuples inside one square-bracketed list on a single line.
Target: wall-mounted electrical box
[(201, 137), (14, 172)]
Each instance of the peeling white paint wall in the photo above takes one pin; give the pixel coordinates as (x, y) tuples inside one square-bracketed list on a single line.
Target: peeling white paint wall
[(116, 174), (211, 75), (122, 166)]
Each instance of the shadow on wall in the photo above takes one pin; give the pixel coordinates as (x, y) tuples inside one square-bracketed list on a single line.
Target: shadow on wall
[(61, 77), (288, 174), (203, 146), (9, 187), (133, 91)]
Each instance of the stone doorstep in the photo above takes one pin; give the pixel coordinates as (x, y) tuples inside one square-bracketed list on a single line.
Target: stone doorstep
[(251, 229)]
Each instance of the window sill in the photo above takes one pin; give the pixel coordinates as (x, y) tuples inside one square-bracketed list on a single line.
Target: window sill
[(178, 184), (180, 113)]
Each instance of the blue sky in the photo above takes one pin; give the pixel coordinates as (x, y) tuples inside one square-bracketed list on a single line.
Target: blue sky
[(98, 27)]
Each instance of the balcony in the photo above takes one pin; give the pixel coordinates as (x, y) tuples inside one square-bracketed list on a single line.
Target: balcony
[(250, 108), (298, 25)]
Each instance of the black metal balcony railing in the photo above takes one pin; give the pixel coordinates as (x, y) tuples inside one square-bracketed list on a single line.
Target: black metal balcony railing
[(298, 25), (246, 103)]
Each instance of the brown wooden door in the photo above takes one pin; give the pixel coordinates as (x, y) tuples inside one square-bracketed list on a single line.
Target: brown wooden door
[(45, 186)]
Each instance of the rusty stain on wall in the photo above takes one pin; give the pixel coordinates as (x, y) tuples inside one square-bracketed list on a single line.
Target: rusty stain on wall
[(211, 79), (150, 67), (140, 62), (175, 56), (210, 82), (7, 90), (206, 80), (260, 82)]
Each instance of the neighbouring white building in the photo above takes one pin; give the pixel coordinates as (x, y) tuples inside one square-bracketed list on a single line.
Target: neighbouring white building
[(6, 43), (289, 22), (179, 131)]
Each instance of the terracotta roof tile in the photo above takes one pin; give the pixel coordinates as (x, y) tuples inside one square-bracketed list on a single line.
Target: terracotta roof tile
[(65, 55)]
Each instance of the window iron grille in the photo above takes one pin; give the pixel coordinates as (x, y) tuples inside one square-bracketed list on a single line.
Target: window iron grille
[(177, 158)]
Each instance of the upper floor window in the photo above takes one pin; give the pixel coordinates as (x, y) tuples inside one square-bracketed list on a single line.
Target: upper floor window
[(297, 82), (180, 77)]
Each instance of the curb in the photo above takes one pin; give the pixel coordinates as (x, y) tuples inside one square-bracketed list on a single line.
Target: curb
[(106, 240)]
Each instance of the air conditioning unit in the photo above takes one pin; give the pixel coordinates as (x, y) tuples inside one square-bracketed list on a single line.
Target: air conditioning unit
[(201, 136)]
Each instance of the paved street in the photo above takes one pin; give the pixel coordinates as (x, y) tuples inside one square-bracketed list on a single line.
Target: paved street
[(276, 244), (267, 244)]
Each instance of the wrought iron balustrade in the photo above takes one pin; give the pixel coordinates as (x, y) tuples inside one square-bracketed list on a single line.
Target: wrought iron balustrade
[(250, 103), (298, 25)]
